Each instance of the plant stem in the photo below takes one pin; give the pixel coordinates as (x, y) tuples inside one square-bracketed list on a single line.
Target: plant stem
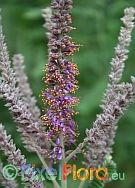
[(80, 146), (55, 183), (63, 182), (82, 182)]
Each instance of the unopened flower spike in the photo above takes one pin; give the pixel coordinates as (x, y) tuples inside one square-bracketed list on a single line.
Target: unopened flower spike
[(60, 77)]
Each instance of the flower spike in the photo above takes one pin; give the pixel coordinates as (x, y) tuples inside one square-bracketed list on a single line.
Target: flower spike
[(60, 77)]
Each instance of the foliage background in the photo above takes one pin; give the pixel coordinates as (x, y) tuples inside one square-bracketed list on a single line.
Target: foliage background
[(98, 24)]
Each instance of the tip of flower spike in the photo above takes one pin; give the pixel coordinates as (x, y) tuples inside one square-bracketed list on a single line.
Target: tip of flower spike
[(60, 77)]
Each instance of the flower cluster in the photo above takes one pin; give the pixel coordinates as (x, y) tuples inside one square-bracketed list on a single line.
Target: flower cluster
[(60, 76)]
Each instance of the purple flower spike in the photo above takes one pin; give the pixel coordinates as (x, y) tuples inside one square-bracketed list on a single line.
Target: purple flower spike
[(60, 77)]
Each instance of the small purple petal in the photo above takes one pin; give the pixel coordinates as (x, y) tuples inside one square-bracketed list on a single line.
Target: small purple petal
[(57, 141)]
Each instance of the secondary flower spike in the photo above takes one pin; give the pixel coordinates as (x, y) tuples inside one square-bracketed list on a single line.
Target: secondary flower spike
[(60, 77)]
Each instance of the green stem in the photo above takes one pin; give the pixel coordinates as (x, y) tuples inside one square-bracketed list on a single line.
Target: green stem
[(55, 183), (82, 182), (52, 143), (80, 146)]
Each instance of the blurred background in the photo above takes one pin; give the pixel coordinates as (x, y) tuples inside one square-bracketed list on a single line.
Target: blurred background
[(97, 28)]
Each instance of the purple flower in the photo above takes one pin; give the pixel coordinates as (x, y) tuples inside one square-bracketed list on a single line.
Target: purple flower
[(57, 153), (60, 77)]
